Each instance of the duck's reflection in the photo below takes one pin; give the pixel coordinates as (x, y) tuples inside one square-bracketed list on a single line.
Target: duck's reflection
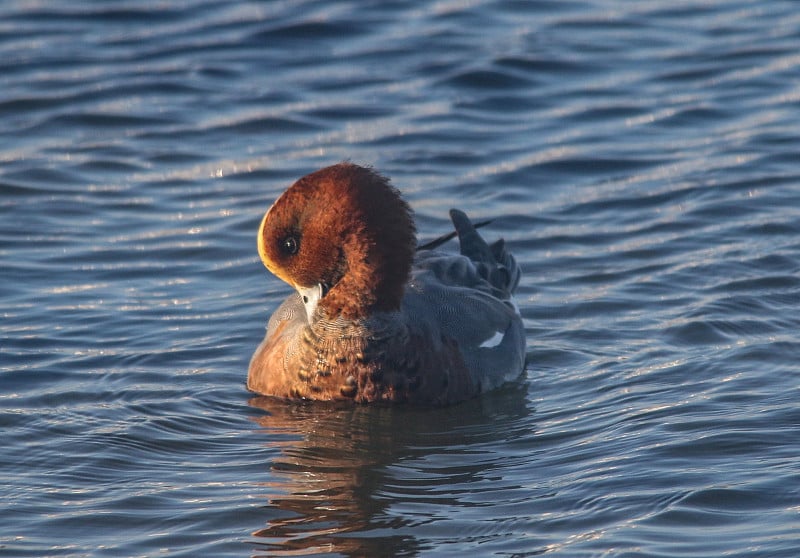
[(337, 475)]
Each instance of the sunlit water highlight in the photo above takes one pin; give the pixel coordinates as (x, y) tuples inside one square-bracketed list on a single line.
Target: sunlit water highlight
[(641, 159)]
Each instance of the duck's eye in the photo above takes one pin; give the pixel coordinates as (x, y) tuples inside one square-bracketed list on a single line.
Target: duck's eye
[(290, 245)]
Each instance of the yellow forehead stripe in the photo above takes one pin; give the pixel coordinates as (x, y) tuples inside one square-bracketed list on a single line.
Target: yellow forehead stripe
[(274, 268), (262, 250)]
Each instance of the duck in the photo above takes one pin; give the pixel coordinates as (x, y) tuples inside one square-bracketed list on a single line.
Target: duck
[(376, 317)]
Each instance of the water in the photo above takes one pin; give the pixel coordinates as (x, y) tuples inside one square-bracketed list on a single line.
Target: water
[(640, 158)]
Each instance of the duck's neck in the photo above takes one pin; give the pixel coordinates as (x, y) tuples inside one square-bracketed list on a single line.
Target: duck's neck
[(374, 281)]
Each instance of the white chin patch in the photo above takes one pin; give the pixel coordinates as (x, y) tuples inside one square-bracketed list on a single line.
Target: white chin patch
[(310, 296)]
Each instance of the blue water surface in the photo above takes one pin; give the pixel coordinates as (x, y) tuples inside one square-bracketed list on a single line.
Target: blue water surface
[(642, 159)]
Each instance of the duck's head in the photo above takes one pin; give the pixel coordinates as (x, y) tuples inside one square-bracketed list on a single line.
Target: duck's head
[(344, 238)]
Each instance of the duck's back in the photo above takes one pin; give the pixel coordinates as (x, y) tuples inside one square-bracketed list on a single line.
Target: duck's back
[(467, 299)]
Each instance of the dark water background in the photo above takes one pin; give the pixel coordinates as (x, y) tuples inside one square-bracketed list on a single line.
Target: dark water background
[(642, 159)]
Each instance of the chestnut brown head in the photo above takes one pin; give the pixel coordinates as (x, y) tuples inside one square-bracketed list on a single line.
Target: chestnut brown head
[(344, 233)]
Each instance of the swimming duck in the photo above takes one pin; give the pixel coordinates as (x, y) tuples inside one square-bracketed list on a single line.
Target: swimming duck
[(375, 317)]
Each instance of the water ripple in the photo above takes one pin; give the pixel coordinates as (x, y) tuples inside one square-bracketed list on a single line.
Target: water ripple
[(639, 159)]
